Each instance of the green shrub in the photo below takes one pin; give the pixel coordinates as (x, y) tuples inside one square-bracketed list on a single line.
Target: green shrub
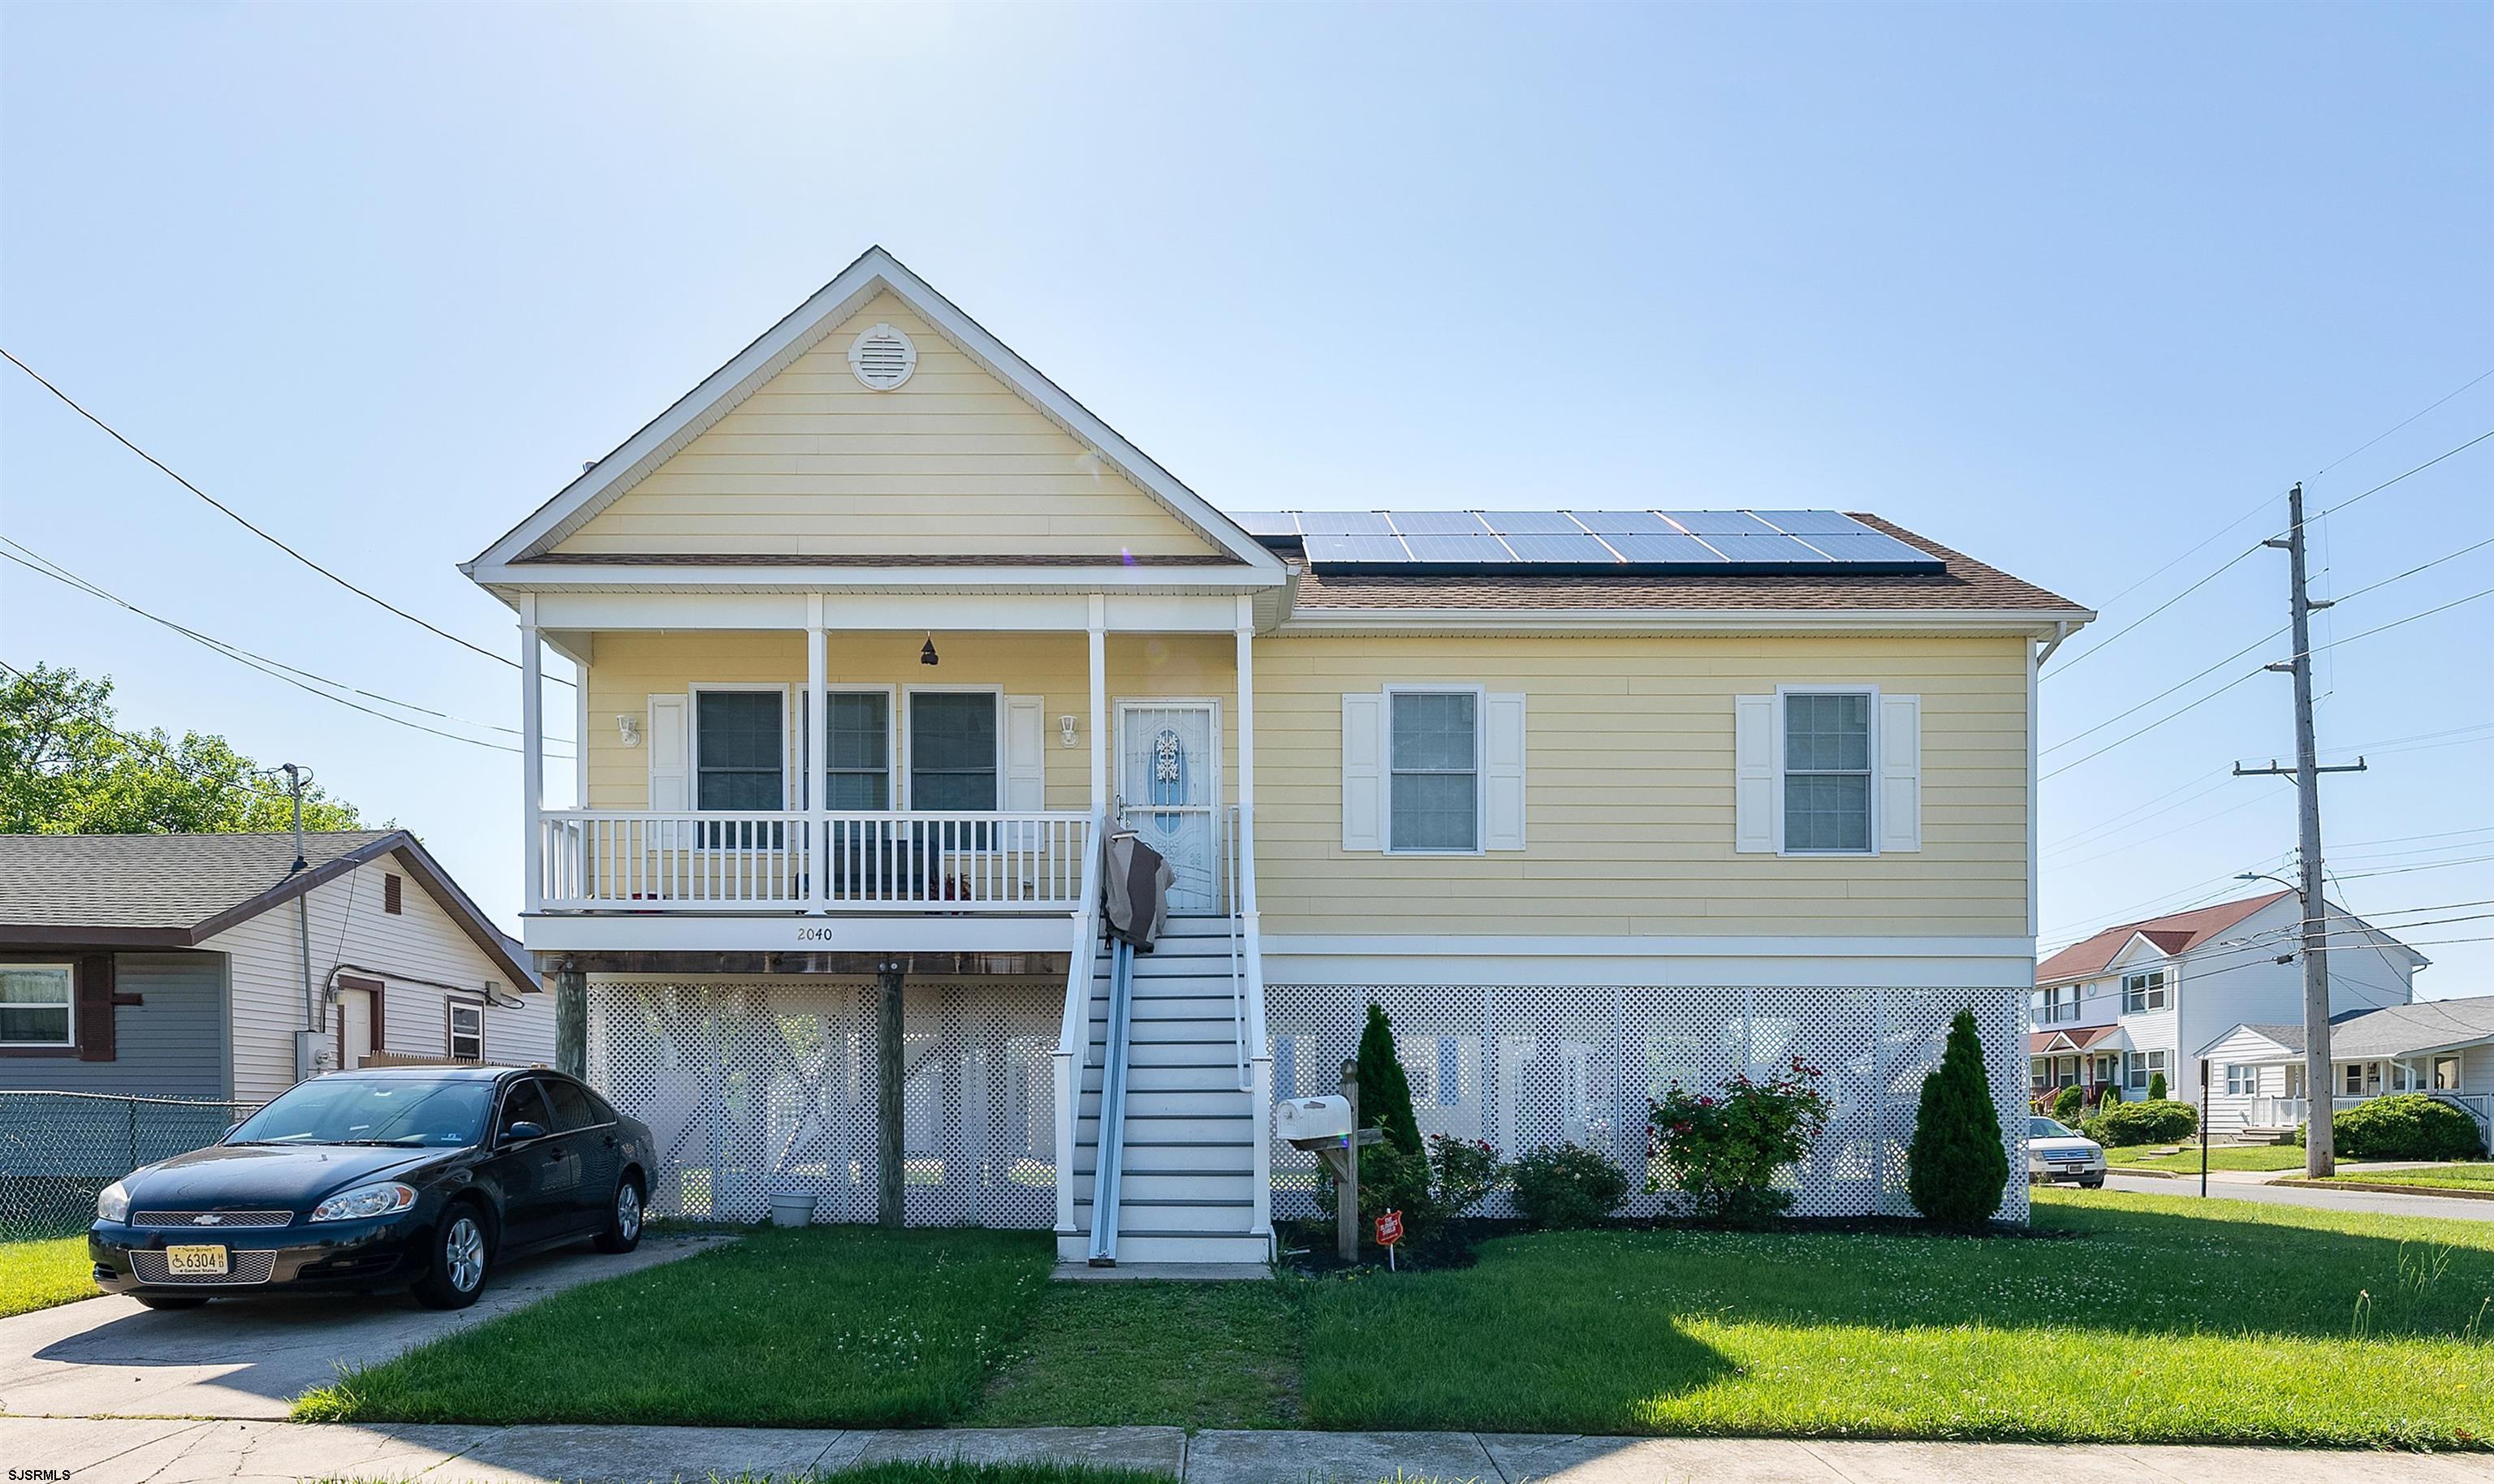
[(2066, 1103), (2111, 1095), (1466, 1169), (1384, 1091), (1724, 1149), (1564, 1185), (2156, 1087), (1957, 1165), (2404, 1126), (2152, 1122)]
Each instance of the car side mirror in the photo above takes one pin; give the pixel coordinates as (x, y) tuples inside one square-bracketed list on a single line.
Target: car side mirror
[(521, 1132)]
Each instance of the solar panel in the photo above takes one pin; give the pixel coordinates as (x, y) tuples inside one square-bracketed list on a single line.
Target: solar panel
[(1482, 550), (1345, 523), (1782, 551), (1605, 523), (1803, 522), (1531, 523), (1436, 523), (1673, 549), (1266, 523), (1707, 523), (1579, 548), (1340, 549), (1871, 546)]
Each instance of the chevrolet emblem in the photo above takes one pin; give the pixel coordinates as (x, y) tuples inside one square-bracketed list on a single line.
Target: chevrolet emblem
[(207, 1218)]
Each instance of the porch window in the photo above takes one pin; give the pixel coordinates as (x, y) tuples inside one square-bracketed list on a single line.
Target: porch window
[(856, 750), (2143, 992), (2144, 1067), (1827, 773), (35, 1005), (2363, 1079), (2446, 1074), (953, 750), (1435, 763), (737, 750)]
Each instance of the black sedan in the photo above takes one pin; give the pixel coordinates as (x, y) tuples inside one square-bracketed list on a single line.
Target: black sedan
[(420, 1178)]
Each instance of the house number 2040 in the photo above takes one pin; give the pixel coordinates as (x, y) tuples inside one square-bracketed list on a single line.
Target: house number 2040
[(815, 934)]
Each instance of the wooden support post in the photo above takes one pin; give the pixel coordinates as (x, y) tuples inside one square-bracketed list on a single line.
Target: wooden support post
[(891, 1171), (1346, 1191), (571, 1020)]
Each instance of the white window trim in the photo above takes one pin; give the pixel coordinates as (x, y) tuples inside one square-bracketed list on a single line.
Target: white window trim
[(2163, 991), (70, 977), (1775, 744), (2140, 1072), (1480, 747), (904, 760), (818, 774), (1119, 706), (451, 1005), (693, 739)]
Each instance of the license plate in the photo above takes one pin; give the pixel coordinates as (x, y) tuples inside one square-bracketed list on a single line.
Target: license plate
[(195, 1261)]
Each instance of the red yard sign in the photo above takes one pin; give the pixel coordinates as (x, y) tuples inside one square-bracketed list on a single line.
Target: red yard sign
[(1390, 1229)]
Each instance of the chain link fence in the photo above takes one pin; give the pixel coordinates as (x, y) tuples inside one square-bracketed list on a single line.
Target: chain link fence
[(59, 1149)]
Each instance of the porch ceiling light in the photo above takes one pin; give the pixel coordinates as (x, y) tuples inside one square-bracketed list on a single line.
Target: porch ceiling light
[(927, 654)]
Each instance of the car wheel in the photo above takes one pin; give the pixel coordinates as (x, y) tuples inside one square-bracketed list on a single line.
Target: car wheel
[(460, 1250), (624, 1219), (173, 1300)]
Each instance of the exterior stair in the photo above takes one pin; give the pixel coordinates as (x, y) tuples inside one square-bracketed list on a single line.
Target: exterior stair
[(1187, 1190)]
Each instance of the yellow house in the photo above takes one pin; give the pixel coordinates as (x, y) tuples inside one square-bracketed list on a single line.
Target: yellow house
[(881, 634)]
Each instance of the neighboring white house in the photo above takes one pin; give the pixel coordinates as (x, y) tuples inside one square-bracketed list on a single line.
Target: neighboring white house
[(2123, 1006), (2444, 1048), (175, 965)]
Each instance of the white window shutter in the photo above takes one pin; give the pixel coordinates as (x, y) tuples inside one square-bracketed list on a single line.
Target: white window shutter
[(1502, 773), (1025, 754), (670, 745), (1363, 772), (1753, 774), (1900, 772)]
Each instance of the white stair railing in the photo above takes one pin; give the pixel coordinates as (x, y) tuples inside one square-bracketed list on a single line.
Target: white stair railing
[(1074, 1042), (1247, 967)]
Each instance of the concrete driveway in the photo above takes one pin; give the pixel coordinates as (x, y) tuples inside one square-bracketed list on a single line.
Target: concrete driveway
[(252, 1357)]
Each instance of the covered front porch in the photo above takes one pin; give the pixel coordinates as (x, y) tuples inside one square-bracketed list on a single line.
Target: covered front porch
[(2088, 1058)]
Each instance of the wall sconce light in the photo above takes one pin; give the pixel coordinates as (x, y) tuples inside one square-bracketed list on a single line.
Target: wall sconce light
[(629, 726), (927, 654), (1066, 732)]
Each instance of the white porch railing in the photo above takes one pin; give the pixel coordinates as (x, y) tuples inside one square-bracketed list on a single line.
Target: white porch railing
[(1074, 1036), (626, 861)]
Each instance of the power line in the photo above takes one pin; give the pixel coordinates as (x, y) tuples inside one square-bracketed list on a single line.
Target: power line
[(2418, 470), (2107, 642), (234, 651), (230, 514), (2401, 423), (2430, 866), (133, 739)]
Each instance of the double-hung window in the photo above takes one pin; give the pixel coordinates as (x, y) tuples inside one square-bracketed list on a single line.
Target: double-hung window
[(2143, 992), (1827, 773), (738, 750), (465, 1034), (2145, 1066), (856, 750), (2241, 1081), (953, 750), (35, 1005), (1434, 766)]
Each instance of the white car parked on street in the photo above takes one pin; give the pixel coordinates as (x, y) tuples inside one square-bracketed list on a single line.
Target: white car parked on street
[(2054, 1152)]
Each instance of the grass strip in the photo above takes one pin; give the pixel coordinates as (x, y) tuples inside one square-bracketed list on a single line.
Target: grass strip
[(1192, 1355), (2244, 1157), (41, 1273)]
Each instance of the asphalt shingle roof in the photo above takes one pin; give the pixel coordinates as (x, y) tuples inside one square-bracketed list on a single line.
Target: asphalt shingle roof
[(2396, 1030), (153, 880), (2174, 932)]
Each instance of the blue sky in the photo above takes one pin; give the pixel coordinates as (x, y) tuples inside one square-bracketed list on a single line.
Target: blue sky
[(2069, 287)]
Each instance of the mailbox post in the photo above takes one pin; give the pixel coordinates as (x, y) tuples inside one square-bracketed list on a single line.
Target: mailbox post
[(1329, 1129)]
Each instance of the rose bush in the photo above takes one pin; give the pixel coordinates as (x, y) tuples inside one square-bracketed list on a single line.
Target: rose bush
[(1722, 1149)]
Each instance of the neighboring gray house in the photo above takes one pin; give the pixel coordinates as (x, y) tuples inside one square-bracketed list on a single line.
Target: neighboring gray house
[(2444, 1047), (175, 965)]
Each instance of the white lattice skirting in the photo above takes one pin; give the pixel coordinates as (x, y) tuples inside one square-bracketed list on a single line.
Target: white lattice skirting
[(753, 1086)]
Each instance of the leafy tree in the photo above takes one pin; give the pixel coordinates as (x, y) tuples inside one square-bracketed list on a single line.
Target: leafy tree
[(66, 770), (1384, 1091), (1957, 1167)]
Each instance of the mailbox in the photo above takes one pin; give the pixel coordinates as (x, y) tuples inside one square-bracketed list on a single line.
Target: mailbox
[(1307, 1120)]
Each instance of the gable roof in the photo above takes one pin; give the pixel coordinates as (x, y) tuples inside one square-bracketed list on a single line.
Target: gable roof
[(874, 272), (2175, 932), (2393, 1030), (178, 890)]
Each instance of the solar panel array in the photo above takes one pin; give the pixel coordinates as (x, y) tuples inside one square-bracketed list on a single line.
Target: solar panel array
[(1582, 541)]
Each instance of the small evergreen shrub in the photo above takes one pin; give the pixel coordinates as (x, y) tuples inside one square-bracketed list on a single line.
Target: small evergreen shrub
[(2109, 1095), (2152, 1122), (1384, 1091), (1724, 1149), (1957, 1165), (2067, 1102), (2404, 1126), (2156, 1087), (1561, 1187)]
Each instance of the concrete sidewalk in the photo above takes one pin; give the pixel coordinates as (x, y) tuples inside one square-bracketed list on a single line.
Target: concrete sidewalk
[(174, 1451)]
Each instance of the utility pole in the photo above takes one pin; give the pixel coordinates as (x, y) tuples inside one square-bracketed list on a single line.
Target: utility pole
[(2320, 1152), (315, 1021)]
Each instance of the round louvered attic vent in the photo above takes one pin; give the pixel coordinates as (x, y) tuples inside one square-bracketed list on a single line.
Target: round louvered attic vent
[(883, 357)]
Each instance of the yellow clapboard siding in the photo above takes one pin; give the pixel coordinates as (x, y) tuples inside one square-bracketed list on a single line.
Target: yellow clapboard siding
[(952, 463)]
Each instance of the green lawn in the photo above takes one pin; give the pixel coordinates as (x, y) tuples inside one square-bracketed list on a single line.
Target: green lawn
[(2459, 1177), (39, 1274), (2261, 1157), (2159, 1318)]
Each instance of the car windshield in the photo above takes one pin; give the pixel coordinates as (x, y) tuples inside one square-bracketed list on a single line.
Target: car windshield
[(2048, 1128), (417, 1113)]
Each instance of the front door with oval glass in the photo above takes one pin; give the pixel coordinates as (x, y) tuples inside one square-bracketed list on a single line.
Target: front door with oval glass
[(1169, 791)]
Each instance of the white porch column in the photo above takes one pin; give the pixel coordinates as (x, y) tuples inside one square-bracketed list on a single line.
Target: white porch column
[(818, 823), (533, 755), (1098, 628), (1246, 753)]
